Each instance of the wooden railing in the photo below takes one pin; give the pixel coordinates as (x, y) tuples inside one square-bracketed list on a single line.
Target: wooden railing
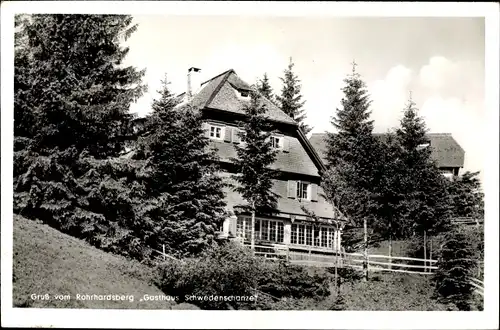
[(325, 258), (467, 221)]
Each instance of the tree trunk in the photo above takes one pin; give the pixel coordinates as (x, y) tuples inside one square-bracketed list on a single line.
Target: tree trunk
[(252, 229), (365, 262), (336, 267), (430, 254)]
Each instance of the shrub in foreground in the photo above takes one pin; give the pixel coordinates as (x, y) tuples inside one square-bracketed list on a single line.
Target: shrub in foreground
[(455, 269), (231, 270)]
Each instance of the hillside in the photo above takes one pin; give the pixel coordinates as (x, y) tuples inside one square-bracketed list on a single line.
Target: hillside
[(47, 261)]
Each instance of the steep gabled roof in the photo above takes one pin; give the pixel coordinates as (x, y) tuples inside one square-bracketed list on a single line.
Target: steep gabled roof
[(221, 93), (445, 150)]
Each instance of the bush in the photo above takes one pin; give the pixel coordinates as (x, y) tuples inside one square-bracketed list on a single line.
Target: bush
[(455, 268), (232, 270)]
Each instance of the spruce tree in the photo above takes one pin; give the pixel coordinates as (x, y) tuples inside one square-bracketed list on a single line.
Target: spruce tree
[(71, 113), (291, 98), (389, 194), (184, 204), (353, 156), (426, 205), (265, 88), (254, 157), (467, 196), (70, 78), (455, 265)]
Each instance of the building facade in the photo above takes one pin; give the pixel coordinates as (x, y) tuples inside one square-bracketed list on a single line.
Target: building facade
[(221, 101)]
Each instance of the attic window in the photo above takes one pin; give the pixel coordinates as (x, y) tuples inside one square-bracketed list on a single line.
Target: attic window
[(277, 142)]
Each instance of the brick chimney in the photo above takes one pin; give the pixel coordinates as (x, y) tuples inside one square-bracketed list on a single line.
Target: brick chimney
[(194, 81)]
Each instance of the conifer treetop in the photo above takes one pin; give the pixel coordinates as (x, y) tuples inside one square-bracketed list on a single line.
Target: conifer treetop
[(291, 98)]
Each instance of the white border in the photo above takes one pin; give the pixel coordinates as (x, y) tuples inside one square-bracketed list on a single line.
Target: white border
[(240, 319)]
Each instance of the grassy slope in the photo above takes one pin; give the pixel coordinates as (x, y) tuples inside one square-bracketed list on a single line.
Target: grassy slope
[(48, 261), (392, 292)]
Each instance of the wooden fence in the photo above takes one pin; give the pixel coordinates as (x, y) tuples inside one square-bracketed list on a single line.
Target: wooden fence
[(342, 260), (467, 221)]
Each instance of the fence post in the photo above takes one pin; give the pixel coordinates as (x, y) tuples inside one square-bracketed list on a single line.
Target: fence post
[(425, 251), (163, 249), (287, 254)]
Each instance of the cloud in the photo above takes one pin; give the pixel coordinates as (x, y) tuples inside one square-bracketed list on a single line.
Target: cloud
[(389, 96), (447, 78), (439, 73)]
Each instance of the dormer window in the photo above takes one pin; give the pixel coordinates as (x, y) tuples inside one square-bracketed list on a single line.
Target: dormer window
[(277, 142)]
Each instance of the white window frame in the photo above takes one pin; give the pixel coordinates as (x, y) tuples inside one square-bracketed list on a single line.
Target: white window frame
[(243, 228), (215, 127), (326, 235)]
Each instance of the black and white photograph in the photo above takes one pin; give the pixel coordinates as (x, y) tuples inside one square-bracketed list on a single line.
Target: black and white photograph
[(164, 159)]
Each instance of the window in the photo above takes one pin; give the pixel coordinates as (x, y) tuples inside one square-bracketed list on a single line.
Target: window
[(316, 237), (308, 235), (267, 230), (330, 237), (244, 93), (302, 190), (324, 236), (281, 232), (216, 132), (276, 142), (293, 234), (301, 235), (272, 230)]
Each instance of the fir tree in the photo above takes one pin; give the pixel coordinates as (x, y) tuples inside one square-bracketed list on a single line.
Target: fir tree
[(426, 203), (186, 205), (71, 112), (389, 194), (467, 196), (454, 272), (71, 80), (352, 156), (265, 88), (254, 158), (291, 98)]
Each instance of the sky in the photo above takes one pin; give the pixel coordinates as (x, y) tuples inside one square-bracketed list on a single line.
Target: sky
[(440, 60)]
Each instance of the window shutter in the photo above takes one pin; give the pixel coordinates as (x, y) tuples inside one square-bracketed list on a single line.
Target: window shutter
[(292, 189), (236, 137), (286, 144), (227, 133), (206, 128), (314, 192)]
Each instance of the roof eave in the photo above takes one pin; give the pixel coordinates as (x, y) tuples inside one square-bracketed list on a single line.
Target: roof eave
[(311, 150)]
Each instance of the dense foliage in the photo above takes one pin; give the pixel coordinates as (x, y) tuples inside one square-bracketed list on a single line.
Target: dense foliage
[(467, 196), (265, 88), (72, 97), (425, 208), (352, 154), (73, 128), (255, 155), (183, 203), (454, 272), (232, 271), (290, 99)]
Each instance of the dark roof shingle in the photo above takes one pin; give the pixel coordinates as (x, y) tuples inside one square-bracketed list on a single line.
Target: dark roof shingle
[(221, 93), (445, 150)]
